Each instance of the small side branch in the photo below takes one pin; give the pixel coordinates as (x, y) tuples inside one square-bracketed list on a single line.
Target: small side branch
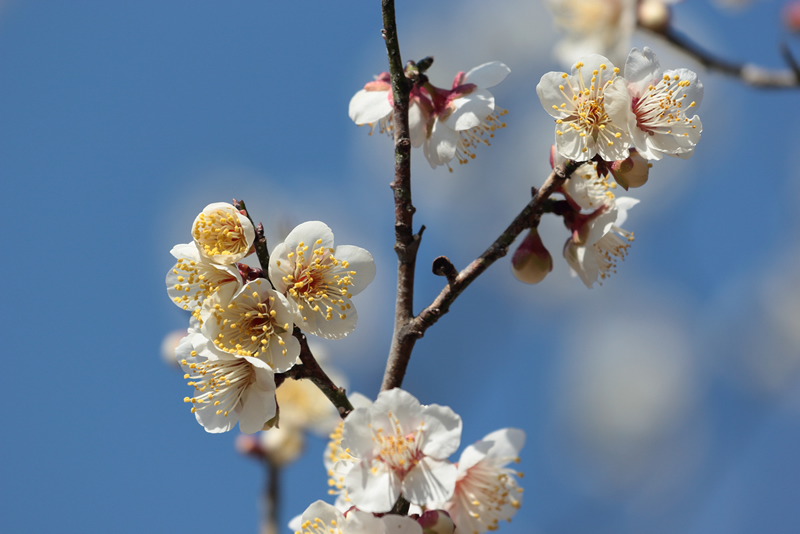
[(748, 73), (309, 369), (528, 218)]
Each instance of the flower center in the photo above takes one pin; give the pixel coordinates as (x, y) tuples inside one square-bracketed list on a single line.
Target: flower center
[(219, 233), (218, 383), (585, 104), (197, 281), (318, 280), (400, 452), (662, 106), (246, 326)]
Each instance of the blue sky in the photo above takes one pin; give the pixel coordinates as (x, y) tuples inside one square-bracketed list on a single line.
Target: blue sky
[(666, 400)]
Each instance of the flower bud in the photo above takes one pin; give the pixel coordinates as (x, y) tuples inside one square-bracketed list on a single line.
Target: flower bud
[(436, 522), (654, 15), (791, 15), (282, 446), (531, 262), (631, 172)]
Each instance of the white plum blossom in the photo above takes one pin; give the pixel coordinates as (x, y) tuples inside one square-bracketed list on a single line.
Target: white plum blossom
[(591, 108), (594, 26), (194, 278), (222, 233), (465, 116), (319, 281), (337, 461), (256, 323), (372, 106), (486, 489), (660, 101), (322, 518), (400, 447), (594, 250), (228, 389)]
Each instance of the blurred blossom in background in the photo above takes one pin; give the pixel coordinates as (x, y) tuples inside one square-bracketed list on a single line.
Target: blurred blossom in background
[(666, 400)]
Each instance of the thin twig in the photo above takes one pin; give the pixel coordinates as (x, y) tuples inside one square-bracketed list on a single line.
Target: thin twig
[(749, 73), (406, 242), (309, 369), (528, 218)]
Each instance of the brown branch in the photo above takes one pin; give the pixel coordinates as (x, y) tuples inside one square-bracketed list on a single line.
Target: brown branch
[(271, 499), (528, 218), (309, 369), (406, 242), (748, 73), (260, 243)]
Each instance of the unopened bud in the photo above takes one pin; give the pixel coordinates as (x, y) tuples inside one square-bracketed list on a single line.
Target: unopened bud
[(631, 172), (654, 15), (531, 262), (282, 446), (436, 522)]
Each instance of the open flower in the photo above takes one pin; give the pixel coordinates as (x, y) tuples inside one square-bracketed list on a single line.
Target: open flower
[(372, 106), (227, 389), (322, 518), (256, 323), (594, 26), (465, 116), (319, 281), (594, 249), (486, 489), (222, 234), (660, 101), (194, 278), (591, 108), (400, 446)]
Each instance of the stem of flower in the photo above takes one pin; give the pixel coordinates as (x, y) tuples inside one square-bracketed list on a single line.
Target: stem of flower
[(528, 218)]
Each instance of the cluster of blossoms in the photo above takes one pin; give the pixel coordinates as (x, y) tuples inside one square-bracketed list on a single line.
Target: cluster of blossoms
[(396, 447), (446, 123), (599, 114), (242, 327)]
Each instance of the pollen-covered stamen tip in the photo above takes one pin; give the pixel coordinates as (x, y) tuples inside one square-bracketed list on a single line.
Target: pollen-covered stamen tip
[(398, 450), (471, 138), (319, 280), (218, 384)]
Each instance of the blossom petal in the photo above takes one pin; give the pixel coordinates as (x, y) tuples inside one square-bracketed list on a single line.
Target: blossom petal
[(372, 491), (402, 405), (442, 434), (323, 511), (506, 442), (443, 142), (487, 75), (551, 96), (356, 433), (369, 106), (417, 125), (473, 454), (641, 69), (308, 233), (396, 524), (360, 261), (430, 480), (430, 154), (471, 110)]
